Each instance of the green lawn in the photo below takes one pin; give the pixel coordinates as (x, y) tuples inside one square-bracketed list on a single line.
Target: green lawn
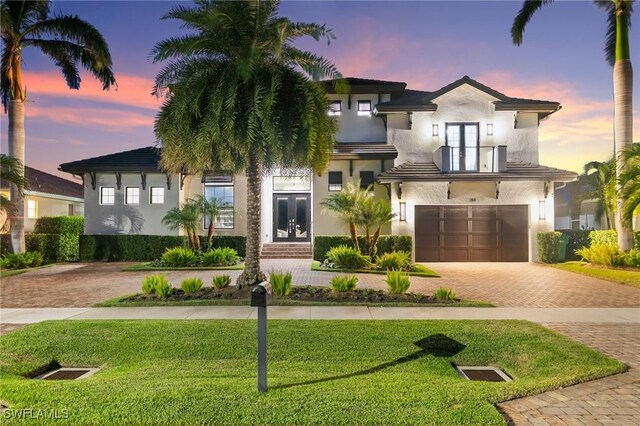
[(421, 270), (320, 372), (9, 272), (620, 276), (148, 267)]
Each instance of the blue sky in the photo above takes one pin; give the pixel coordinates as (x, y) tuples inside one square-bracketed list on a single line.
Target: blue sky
[(426, 44)]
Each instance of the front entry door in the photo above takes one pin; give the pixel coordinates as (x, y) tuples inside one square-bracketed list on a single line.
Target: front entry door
[(291, 217)]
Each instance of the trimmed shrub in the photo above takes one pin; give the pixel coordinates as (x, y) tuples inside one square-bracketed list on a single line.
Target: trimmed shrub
[(397, 282), (178, 256), (602, 254), (140, 248), (221, 256), (28, 259), (221, 281), (394, 260), (577, 240), (281, 282), (64, 225), (386, 244), (191, 285), (608, 237), (548, 243), (632, 258), (344, 283), (57, 238), (150, 282), (348, 258), (444, 294)]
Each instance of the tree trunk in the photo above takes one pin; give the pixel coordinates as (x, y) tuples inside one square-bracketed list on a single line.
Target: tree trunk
[(210, 234), (16, 149), (252, 274), (374, 242), (354, 235), (196, 240), (623, 117)]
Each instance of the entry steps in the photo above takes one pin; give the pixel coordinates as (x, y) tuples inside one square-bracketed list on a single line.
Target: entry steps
[(286, 251)]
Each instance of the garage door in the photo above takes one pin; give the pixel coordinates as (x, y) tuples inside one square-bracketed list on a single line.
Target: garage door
[(472, 233)]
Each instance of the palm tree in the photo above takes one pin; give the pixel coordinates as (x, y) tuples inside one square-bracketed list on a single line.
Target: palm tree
[(373, 214), (12, 171), (236, 100), (599, 179), (187, 217), (69, 42), (630, 183), (346, 205), (212, 209), (618, 55)]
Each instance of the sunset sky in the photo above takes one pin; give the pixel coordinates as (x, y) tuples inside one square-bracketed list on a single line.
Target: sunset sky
[(426, 44)]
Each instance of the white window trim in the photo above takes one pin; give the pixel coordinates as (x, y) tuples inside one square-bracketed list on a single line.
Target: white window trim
[(364, 113), (126, 194), (232, 184), (100, 195), (35, 209), (151, 188), (335, 113)]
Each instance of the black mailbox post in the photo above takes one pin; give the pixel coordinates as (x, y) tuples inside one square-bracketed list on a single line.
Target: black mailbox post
[(260, 297)]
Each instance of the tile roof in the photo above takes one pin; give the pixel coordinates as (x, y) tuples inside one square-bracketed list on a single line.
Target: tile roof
[(423, 101), (362, 85), (40, 181), (137, 160), (516, 171), (364, 151)]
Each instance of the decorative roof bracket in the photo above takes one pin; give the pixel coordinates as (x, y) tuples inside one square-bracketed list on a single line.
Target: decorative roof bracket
[(119, 180), (497, 189), (93, 180), (143, 180), (168, 181)]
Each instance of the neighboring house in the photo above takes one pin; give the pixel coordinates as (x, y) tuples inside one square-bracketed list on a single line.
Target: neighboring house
[(459, 166), (573, 213), (48, 195)]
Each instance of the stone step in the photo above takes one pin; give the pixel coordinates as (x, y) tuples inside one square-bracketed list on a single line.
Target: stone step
[(284, 256)]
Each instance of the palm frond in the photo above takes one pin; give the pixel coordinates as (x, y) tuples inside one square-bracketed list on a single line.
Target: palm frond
[(529, 8)]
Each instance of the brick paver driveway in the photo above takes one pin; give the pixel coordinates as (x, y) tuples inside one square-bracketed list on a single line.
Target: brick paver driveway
[(503, 284)]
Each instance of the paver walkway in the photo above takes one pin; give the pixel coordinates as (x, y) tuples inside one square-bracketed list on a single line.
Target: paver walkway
[(503, 284), (614, 400)]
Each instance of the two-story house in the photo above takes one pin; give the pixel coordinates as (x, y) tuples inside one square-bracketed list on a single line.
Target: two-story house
[(459, 166)]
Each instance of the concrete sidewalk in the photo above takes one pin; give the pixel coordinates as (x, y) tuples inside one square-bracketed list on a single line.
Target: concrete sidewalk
[(539, 315)]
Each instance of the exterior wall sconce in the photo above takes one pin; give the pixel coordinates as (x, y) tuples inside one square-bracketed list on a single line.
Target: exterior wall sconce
[(489, 129), (403, 212), (542, 210), (434, 130), (399, 190)]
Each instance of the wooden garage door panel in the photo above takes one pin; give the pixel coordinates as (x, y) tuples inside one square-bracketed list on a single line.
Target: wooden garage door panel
[(471, 233)]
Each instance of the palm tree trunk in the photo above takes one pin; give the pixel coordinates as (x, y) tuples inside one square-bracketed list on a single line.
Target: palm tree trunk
[(196, 240), (210, 234), (252, 274), (16, 149), (354, 235), (623, 117), (374, 241)]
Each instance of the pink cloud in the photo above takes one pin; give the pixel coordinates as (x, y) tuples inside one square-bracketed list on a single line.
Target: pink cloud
[(110, 119), (132, 90)]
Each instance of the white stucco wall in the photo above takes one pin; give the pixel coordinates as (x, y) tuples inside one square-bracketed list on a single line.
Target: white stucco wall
[(50, 205), (469, 105), (359, 128), (117, 218), (511, 193)]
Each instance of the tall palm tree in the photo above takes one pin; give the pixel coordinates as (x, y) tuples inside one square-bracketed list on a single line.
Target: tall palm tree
[(346, 205), (12, 171), (599, 179), (212, 209), (70, 42), (236, 100), (630, 183), (618, 55), (187, 218)]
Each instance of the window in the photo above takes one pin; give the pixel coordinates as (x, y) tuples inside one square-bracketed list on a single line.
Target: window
[(223, 193), (157, 195), (366, 179), (132, 195), (32, 209), (107, 195), (464, 141), (335, 181), (335, 108), (364, 108), (70, 210)]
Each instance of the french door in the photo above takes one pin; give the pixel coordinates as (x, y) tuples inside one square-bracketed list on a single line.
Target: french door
[(291, 217), (464, 140)]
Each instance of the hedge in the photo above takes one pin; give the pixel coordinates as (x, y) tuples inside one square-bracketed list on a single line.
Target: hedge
[(387, 243), (577, 240), (548, 244), (64, 225), (139, 248), (584, 238)]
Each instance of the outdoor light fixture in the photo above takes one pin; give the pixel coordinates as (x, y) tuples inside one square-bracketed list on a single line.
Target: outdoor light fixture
[(489, 129), (542, 210), (434, 130), (403, 212), (399, 190)]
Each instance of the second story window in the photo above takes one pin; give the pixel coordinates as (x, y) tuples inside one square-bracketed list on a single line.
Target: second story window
[(335, 108), (367, 179), (335, 181), (132, 195), (32, 209), (107, 195), (364, 108), (156, 195)]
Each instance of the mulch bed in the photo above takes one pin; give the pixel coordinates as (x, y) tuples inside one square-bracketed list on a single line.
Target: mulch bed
[(303, 293)]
